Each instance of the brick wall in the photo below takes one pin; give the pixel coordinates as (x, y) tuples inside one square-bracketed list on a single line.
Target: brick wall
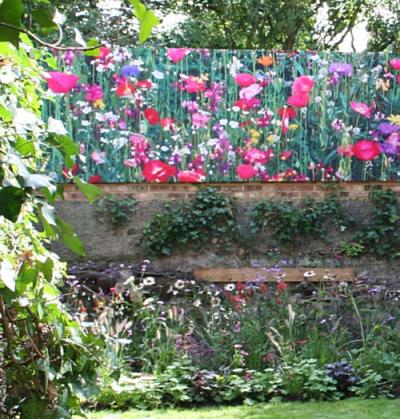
[(241, 191)]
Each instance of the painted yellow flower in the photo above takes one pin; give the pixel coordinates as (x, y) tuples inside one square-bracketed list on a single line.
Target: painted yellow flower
[(394, 119), (98, 104), (293, 127)]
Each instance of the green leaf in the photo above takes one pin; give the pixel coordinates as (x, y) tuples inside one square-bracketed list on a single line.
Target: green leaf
[(66, 145), (25, 147), (11, 199), (49, 214), (5, 114), (44, 17), (139, 9), (147, 25), (91, 192), (8, 274), (11, 12), (93, 52), (69, 237)]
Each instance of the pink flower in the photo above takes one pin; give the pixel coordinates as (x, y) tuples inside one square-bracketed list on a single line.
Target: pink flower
[(250, 92), (158, 171), (190, 176), (200, 120), (98, 157), (61, 82), (194, 85), (395, 63), (245, 79), (255, 155), (286, 155), (247, 104), (177, 54), (94, 92), (302, 85), (345, 151), (245, 171), (366, 150), (362, 108), (168, 124), (298, 101)]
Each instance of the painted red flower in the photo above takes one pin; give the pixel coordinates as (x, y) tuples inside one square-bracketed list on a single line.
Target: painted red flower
[(168, 124), (245, 79), (125, 89), (61, 82), (245, 171), (95, 179), (298, 101), (144, 84), (395, 63), (302, 85), (287, 112), (362, 108), (247, 104), (345, 151), (366, 150), (158, 171), (190, 176), (152, 116), (286, 155)]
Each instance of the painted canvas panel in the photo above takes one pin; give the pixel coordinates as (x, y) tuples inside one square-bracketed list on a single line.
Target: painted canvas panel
[(190, 115)]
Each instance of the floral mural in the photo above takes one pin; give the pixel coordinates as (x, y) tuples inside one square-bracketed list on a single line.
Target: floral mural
[(195, 115)]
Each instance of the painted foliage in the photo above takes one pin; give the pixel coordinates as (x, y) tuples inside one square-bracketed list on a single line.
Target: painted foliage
[(190, 115)]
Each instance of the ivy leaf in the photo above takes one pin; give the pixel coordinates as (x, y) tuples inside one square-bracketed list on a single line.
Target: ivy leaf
[(91, 192), (69, 237), (11, 199), (11, 12), (147, 19), (8, 275)]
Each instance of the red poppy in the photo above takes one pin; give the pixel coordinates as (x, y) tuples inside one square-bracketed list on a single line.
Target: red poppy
[(247, 104), (144, 84), (245, 171), (245, 79), (286, 155), (190, 176), (168, 124), (125, 89), (152, 116), (287, 112), (298, 101), (366, 150), (302, 85), (61, 82), (362, 108), (158, 171), (95, 179)]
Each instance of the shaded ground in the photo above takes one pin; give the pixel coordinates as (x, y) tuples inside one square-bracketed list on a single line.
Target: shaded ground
[(348, 409)]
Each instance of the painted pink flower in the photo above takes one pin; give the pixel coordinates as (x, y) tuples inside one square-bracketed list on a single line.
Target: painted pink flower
[(362, 108), (194, 85), (200, 120), (255, 155), (177, 54), (99, 157), (298, 101), (245, 171), (366, 150), (250, 91), (245, 79), (158, 171), (168, 124), (94, 92), (190, 176), (302, 85), (61, 82), (286, 113), (395, 63), (152, 116), (345, 151), (286, 155), (247, 104)]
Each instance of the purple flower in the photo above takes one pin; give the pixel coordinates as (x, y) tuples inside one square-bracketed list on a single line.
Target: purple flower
[(385, 128), (130, 71), (342, 69)]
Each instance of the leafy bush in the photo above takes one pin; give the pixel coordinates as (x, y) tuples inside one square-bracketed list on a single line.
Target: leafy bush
[(114, 210), (208, 219)]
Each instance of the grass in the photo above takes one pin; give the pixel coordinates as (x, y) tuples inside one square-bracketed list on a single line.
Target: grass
[(347, 409)]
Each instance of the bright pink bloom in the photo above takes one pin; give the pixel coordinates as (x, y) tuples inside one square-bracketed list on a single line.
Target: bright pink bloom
[(345, 151), (250, 92), (247, 104), (190, 176), (94, 92), (168, 124), (61, 82), (395, 63), (177, 54), (104, 53), (302, 85), (158, 171), (200, 120), (255, 155), (298, 101), (362, 108), (286, 155), (245, 171), (144, 84), (194, 85), (245, 79), (366, 150), (152, 116), (99, 157)]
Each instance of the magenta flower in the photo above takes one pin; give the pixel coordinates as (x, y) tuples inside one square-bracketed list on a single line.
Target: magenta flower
[(177, 54), (200, 120), (302, 85), (61, 82), (250, 91), (395, 63), (245, 79), (362, 108), (341, 69), (94, 92), (245, 171)]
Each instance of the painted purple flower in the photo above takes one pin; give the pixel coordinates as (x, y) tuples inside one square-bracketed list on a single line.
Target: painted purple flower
[(385, 128), (130, 71), (342, 69)]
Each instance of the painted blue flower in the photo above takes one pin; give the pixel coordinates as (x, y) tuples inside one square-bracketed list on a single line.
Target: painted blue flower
[(130, 71)]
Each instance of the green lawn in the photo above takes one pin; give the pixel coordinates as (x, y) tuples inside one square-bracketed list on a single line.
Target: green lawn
[(347, 409)]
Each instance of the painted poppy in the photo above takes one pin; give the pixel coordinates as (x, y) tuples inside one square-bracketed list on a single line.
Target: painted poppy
[(190, 176), (366, 150), (362, 108), (61, 82), (245, 79), (158, 171), (245, 171), (266, 60), (152, 116)]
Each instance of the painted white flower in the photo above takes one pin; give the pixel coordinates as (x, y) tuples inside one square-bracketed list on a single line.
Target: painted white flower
[(230, 287), (234, 124), (179, 284), (149, 281), (56, 126), (159, 75)]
